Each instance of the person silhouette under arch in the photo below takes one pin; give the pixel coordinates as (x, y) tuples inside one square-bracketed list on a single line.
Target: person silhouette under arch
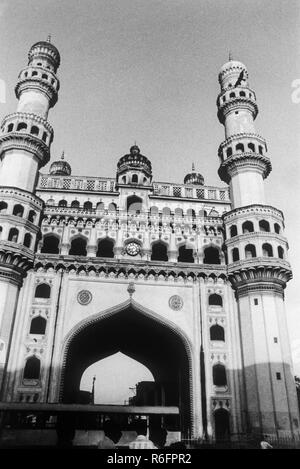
[(112, 435)]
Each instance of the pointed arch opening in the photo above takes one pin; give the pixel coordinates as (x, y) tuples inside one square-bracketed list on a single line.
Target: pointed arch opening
[(38, 325), (105, 248), (13, 235), (43, 290), (50, 244), (32, 368), (211, 256), (18, 210), (267, 250), (219, 375), (132, 331), (134, 204), (78, 247), (159, 252), (185, 254), (250, 251), (222, 425), (217, 333)]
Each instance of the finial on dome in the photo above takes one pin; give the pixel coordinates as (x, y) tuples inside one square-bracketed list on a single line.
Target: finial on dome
[(230, 56), (49, 38), (193, 167), (60, 167), (134, 150)]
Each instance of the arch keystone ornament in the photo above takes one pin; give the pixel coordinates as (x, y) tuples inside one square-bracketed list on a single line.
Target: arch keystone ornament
[(131, 289)]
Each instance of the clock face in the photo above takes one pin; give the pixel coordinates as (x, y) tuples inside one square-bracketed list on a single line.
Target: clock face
[(133, 249)]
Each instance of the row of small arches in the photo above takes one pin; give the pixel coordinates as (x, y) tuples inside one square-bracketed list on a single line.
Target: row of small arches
[(13, 236), (39, 74), (235, 94), (18, 211), (105, 248), (250, 251), (33, 130), (248, 227), (134, 207), (241, 148)]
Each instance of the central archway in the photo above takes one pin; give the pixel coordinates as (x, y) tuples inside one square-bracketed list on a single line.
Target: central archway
[(141, 335)]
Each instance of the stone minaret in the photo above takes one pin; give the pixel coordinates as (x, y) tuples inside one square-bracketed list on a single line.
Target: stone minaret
[(257, 261), (24, 148)]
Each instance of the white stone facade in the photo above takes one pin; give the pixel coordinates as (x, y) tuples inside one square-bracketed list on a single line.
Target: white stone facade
[(198, 266)]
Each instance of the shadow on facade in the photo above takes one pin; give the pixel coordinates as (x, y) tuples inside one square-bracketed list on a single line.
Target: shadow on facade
[(240, 417)]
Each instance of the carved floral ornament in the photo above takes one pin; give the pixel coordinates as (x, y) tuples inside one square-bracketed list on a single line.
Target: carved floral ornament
[(176, 302), (84, 297)]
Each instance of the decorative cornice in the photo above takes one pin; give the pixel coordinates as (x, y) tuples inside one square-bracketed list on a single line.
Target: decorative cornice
[(16, 254), (8, 192), (37, 84), (25, 142), (254, 209), (234, 104), (124, 268), (13, 268), (240, 161), (260, 287), (27, 117), (260, 271)]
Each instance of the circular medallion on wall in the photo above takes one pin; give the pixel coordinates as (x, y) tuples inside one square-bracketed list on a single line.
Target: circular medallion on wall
[(176, 302), (84, 297), (133, 249)]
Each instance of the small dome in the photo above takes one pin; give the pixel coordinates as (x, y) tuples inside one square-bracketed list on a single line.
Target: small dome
[(45, 49), (134, 161), (60, 167), (230, 66), (193, 178)]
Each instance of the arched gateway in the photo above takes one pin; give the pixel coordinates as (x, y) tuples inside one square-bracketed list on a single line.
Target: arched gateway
[(142, 335)]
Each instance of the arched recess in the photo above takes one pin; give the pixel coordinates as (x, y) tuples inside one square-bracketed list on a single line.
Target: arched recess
[(134, 204), (50, 244), (159, 251), (131, 329), (78, 246), (222, 424), (105, 248), (211, 254)]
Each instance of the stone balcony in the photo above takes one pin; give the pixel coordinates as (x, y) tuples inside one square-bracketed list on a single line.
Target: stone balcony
[(162, 190)]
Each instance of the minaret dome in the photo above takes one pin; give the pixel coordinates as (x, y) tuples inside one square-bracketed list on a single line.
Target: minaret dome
[(44, 53), (232, 74), (194, 178), (134, 168), (60, 167)]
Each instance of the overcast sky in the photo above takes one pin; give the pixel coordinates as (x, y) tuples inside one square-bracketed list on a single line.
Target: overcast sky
[(147, 71)]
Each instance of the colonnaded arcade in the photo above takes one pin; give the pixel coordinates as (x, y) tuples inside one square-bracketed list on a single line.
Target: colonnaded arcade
[(187, 279)]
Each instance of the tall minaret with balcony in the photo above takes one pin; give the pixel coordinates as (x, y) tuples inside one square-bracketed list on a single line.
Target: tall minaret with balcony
[(257, 261), (24, 148)]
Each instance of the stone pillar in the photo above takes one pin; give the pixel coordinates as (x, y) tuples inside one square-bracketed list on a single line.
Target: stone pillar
[(10, 283)]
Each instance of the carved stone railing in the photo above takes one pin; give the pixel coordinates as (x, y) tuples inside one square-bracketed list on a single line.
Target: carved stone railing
[(73, 183), (124, 216), (191, 192), (161, 189)]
